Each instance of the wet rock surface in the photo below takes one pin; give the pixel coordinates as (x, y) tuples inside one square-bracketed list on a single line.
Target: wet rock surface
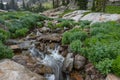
[(32, 64), (68, 63), (10, 70), (92, 73)]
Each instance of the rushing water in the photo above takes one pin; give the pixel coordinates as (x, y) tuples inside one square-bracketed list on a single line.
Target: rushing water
[(53, 60)]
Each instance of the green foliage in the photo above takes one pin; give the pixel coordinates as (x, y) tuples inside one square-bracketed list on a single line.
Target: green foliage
[(116, 66), (113, 9), (66, 23), (66, 38), (21, 32), (104, 66), (72, 35), (81, 35), (3, 35), (76, 46), (82, 4), (103, 49), (17, 21), (5, 52), (51, 25), (2, 21), (39, 24)]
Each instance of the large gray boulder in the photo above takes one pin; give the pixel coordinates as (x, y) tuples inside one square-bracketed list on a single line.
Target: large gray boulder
[(10, 70), (101, 17), (75, 15)]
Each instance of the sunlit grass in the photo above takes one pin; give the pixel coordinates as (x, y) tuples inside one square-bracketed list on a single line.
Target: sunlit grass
[(113, 9)]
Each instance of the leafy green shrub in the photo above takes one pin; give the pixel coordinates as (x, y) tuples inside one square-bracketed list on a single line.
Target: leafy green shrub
[(72, 35), (21, 32), (102, 50), (66, 38), (104, 66), (3, 35), (66, 23), (116, 66), (51, 25), (13, 25), (39, 24), (113, 9), (5, 52), (84, 23), (76, 46), (2, 21), (81, 35), (28, 21)]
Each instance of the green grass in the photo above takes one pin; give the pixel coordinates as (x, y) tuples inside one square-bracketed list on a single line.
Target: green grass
[(113, 9)]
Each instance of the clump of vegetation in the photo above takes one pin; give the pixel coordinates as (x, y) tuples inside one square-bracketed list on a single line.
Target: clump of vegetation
[(113, 9), (19, 23), (116, 66), (104, 66), (74, 34), (81, 35), (5, 52), (39, 24), (66, 23), (4, 35), (101, 47), (21, 32), (76, 46), (66, 38)]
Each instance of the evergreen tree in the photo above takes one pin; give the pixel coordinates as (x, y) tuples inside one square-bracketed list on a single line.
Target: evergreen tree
[(24, 7), (13, 5), (1, 4), (99, 5), (82, 4)]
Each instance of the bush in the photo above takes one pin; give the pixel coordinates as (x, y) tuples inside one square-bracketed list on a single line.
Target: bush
[(5, 52), (102, 50), (76, 46), (21, 32), (113, 9), (66, 38), (51, 25), (2, 21), (3, 35), (81, 35), (116, 66), (66, 23), (72, 35), (104, 66), (39, 24), (84, 24)]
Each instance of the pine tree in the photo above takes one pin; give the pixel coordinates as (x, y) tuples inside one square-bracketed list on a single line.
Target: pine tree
[(13, 5), (24, 7), (99, 5), (82, 4), (1, 4)]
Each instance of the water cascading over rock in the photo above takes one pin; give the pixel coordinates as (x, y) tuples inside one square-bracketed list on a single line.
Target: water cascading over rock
[(53, 60)]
